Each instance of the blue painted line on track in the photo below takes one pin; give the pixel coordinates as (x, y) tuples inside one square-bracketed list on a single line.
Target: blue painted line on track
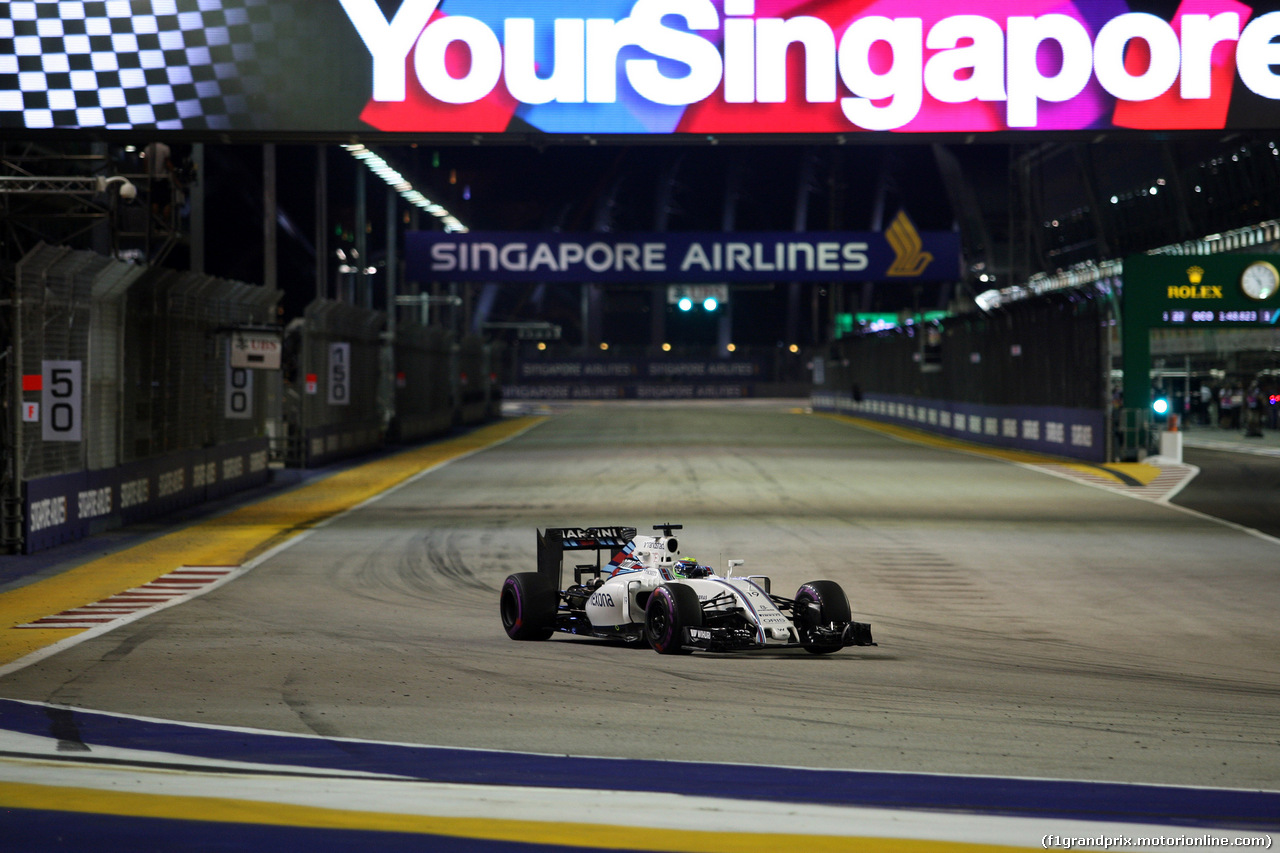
[(1074, 800)]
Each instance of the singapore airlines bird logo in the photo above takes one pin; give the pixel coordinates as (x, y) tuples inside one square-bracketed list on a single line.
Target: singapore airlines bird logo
[(911, 258)]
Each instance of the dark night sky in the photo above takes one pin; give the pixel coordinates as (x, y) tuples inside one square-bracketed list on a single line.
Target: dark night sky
[(570, 189), (565, 187)]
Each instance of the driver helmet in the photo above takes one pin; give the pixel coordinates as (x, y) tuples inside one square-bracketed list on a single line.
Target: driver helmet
[(689, 568)]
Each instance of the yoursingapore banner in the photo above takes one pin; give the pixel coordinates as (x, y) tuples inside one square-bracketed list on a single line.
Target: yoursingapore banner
[(698, 67)]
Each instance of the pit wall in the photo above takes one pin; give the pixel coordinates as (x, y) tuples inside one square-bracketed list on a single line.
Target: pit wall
[(1073, 433)]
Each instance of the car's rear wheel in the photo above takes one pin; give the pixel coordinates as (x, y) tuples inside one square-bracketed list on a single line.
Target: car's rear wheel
[(671, 609), (528, 606), (832, 607)]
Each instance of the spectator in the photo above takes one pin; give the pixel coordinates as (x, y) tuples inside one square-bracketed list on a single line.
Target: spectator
[(1253, 413), (1229, 406)]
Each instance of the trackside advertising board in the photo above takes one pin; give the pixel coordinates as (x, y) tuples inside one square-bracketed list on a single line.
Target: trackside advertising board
[(638, 67)]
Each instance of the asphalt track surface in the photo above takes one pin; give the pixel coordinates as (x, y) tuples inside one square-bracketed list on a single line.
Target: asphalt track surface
[(1244, 488), (1029, 626)]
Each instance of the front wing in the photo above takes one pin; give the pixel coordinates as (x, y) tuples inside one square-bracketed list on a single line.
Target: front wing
[(714, 638), (741, 639)]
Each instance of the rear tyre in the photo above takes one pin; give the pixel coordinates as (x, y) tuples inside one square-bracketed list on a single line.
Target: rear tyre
[(671, 609), (833, 607), (528, 606)]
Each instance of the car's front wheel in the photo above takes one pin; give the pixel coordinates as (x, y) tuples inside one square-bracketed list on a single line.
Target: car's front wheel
[(821, 604), (528, 606), (671, 609)]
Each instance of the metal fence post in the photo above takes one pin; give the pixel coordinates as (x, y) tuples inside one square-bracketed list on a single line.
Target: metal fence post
[(12, 507)]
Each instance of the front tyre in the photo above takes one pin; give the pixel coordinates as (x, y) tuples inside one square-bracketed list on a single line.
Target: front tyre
[(672, 608), (832, 606), (528, 606)]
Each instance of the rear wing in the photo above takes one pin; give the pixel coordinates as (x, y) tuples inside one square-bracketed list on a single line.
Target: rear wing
[(554, 541)]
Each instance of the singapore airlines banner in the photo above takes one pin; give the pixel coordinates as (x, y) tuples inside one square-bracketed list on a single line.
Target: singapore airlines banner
[(698, 67), (900, 253)]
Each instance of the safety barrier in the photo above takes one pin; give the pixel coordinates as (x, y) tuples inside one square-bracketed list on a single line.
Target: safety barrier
[(125, 401), (682, 373), (331, 403), (425, 388), (180, 390), (348, 392), (479, 395), (1032, 374), (113, 364), (67, 507), (1074, 433)]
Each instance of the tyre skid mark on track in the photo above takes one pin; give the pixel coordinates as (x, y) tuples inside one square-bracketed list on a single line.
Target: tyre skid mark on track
[(254, 533)]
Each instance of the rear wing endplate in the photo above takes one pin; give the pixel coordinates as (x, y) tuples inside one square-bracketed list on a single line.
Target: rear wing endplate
[(554, 541)]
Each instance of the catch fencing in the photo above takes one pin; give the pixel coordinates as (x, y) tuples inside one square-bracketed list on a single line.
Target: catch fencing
[(332, 409), (349, 391), (179, 388), (425, 388), (113, 371), (479, 396), (123, 401), (1032, 374)]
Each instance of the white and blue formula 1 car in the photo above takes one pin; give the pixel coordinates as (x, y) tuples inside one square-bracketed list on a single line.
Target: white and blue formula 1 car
[(647, 592)]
